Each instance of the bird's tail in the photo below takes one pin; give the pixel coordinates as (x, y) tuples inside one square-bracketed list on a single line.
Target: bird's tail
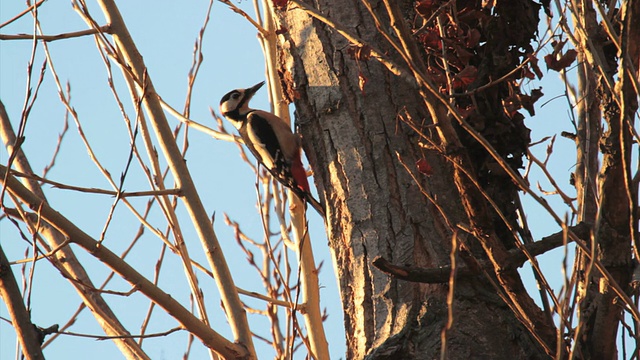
[(315, 204)]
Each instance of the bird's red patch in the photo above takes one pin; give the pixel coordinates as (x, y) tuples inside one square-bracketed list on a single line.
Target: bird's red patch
[(299, 174)]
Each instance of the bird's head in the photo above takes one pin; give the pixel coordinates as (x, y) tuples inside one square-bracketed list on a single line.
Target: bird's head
[(235, 104)]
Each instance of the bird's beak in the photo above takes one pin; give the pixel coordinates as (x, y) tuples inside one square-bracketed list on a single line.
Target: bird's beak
[(248, 93)]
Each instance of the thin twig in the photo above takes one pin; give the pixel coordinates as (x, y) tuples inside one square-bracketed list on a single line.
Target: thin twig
[(61, 135), (47, 38), (23, 13), (450, 295), (196, 61), (156, 278), (565, 198), (123, 194), (141, 336)]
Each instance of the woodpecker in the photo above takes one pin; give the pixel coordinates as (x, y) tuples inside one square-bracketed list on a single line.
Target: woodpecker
[(270, 140)]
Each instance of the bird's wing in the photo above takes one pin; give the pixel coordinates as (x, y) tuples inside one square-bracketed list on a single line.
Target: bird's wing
[(288, 141), (278, 148), (267, 145)]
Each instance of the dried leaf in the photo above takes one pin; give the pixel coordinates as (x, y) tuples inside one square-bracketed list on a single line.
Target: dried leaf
[(431, 39), (473, 38), (526, 72), (465, 77), (427, 7), (463, 55), (513, 103), (465, 112), (438, 76), (527, 102), (536, 94), (533, 62), (564, 61), (280, 4), (424, 167)]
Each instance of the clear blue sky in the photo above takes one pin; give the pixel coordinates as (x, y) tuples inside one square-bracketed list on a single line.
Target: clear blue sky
[(165, 32)]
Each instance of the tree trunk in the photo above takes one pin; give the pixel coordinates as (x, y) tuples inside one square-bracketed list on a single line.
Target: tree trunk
[(352, 113), (616, 221)]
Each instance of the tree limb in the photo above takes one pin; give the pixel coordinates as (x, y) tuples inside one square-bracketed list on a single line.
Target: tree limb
[(515, 259)]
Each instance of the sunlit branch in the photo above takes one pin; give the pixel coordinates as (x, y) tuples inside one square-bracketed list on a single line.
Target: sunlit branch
[(316, 340), (141, 336), (205, 129), (123, 255), (23, 13), (241, 12), (105, 29), (139, 96), (453, 255)]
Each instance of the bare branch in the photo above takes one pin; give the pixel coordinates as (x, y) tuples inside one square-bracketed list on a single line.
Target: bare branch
[(102, 29), (122, 194), (23, 13), (141, 336)]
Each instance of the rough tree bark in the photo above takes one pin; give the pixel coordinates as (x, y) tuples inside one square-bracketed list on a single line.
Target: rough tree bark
[(350, 112)]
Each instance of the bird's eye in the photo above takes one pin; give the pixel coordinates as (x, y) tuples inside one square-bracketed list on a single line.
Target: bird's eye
[(235, 96)]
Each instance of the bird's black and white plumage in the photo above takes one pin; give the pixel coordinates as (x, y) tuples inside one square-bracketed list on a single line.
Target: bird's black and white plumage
[(270, 140)]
